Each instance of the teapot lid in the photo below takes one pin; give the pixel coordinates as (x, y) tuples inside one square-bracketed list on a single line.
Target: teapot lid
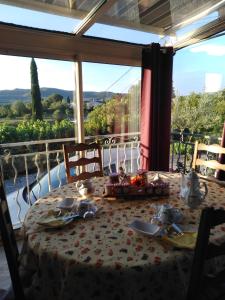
[(192, 175)]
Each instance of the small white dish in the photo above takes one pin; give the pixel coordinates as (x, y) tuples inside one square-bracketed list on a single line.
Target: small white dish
[(67, 204), (144, 227)]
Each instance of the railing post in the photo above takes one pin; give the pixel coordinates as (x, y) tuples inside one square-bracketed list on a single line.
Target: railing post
[(59, 168), (172, 156), (125, 157), (103, 157), (139, 155), (110, 158), (48, 168), (27, 181), (3, 179), (117, 158)]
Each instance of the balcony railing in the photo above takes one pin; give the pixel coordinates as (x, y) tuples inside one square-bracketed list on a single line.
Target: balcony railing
[(31, 169), (182, 149), (38, 165)]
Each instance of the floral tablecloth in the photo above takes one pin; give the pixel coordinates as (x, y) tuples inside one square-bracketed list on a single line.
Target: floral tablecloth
[(102, 258)]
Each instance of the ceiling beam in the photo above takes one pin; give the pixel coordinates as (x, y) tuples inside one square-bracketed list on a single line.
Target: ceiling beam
[(23, 41), (198, 14), (93, 16), (202, 33)]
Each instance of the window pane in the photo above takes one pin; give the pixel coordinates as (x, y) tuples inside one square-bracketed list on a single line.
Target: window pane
[(59, 15), (123, 34), (36, 118), (112, 112), (199, 82)]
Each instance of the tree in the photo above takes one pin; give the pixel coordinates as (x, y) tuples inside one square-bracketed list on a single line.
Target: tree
[(110, 117), (18, 108), (68, 100), (55, 98), (203, 113), (58, 105), (29, 107), (58, 115), (3, 111), (35, 92)]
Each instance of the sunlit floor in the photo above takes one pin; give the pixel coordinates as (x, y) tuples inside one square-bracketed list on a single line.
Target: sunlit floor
[(5, 280)]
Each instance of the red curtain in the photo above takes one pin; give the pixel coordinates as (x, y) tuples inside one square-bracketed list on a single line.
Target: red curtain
[(156, 94)]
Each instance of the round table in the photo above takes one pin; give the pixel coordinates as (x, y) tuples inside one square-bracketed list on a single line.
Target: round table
[(102, 258)]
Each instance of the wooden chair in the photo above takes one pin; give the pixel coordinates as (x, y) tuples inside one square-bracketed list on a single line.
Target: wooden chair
[(80, 168), (204, 286), (211, 163), (10, 246)]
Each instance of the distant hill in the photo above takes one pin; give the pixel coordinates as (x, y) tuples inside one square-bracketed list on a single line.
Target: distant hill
[(9, 96)]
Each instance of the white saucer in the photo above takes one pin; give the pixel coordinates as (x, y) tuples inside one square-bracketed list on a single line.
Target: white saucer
[(144, 227), (67, 204)]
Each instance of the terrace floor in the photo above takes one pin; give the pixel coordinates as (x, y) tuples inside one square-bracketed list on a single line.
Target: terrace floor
[(5, 280)]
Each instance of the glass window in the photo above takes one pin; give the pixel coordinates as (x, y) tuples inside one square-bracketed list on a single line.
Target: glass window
[(112, 112), (113, 106), (37, 116), (18, 77), (164, 22), (56, 15), (123, 34), (199, 82)]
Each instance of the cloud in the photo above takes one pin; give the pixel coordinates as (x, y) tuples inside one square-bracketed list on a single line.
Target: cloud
[(213, 50), (15, 73), (213, 82)]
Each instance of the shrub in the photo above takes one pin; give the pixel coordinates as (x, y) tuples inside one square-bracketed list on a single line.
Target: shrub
[(7, 133), (35, 130)]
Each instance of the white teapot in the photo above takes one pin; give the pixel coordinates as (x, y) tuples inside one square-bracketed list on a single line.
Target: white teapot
[(85, 187), (190, 189)]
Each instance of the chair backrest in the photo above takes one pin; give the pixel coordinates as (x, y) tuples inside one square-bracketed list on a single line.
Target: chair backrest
[(202, 160), (204, 250), (9, 244), (86, 157), (199, 161)]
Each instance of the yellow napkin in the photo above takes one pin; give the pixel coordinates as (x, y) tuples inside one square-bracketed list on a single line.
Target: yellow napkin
[(187, 240), (51, 219)]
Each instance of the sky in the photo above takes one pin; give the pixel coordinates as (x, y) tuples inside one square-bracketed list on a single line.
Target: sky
[(15, 73), (198, 68)]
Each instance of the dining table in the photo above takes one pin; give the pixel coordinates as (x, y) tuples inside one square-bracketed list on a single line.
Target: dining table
[(103, 257)]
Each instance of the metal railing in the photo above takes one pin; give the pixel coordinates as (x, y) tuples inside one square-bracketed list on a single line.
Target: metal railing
[(182, 149), (37, 165)]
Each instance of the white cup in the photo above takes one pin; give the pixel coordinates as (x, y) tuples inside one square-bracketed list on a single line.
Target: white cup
[(84, 187)]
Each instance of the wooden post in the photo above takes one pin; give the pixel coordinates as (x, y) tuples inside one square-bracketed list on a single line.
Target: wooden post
[(79, 101)]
